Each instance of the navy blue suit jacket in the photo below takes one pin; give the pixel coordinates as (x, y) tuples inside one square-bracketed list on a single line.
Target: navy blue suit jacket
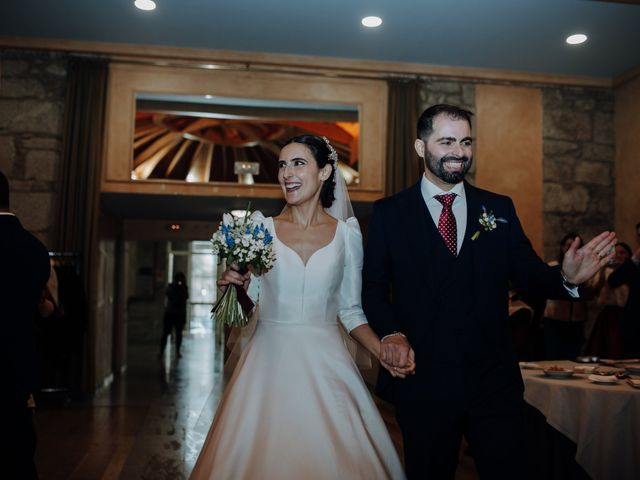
[(402, 290)]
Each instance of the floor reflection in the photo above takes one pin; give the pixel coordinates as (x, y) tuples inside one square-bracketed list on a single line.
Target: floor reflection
[(151, 422)]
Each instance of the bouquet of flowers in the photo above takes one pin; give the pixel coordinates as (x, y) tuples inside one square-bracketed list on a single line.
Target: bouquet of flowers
[(240, 241)]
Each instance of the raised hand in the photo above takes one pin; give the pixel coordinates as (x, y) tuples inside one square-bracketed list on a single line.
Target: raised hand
[(581, 263)]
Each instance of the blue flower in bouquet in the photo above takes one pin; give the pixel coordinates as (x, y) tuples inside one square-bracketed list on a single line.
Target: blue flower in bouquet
[(488, 221), (247, 244)]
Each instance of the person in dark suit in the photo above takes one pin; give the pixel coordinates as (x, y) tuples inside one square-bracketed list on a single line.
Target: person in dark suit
[(629, 273), (437, 270), (24, 274)]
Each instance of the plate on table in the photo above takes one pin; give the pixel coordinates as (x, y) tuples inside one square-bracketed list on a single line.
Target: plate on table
[(584, 369), (609, 371), (530, 366), (619, 362), (558, 372), (633, 383), (604, 379), (630, 367)]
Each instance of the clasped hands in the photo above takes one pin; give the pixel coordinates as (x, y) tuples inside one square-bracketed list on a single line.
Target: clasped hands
[(397, 356)]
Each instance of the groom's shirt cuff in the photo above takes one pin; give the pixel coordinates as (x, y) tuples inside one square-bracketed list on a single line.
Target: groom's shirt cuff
[(573, 291)]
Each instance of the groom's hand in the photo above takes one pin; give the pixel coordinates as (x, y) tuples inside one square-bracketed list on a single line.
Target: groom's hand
[(401, 372), (395, 351), (580, 264)]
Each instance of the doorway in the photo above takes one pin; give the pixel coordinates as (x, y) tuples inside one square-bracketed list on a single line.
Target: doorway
[(199, 265)]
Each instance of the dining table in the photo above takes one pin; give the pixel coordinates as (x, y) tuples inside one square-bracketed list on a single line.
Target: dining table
[(600, 414)]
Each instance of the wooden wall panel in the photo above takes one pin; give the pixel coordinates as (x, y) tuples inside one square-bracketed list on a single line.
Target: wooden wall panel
[(627, 168), (125, 80), (508, 150)]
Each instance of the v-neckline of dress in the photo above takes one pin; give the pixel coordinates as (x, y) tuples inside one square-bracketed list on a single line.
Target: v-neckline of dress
[(275, 235)]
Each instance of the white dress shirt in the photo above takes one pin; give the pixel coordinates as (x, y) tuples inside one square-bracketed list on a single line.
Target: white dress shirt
[(430, 190)]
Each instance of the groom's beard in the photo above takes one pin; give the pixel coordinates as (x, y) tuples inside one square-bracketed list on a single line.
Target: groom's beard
[(436, 166)]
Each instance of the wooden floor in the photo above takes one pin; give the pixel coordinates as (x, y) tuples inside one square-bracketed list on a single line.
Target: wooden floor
[(150, 423)]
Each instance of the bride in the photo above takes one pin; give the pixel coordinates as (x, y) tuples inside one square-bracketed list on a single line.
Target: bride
[(296, 406)]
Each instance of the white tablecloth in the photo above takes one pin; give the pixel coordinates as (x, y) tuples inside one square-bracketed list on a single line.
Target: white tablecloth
[(602, 420)]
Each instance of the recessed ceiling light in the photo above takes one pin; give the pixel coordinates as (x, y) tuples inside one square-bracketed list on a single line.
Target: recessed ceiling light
[(145, 4), (372, 21), (576, 39), (208, 96)]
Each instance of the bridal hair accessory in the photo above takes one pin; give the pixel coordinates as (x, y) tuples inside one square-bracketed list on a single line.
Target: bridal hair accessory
[(341, 207), (488, 221), (333, 155)]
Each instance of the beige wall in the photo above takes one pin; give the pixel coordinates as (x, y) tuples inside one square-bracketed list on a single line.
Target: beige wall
[(508, 150), (126, 80), (627, 170)]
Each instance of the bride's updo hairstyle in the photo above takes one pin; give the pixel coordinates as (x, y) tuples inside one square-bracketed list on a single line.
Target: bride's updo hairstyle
[(324, 154)]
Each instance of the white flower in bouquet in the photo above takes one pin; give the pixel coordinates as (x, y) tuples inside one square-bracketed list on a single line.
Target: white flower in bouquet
[(247, 244)]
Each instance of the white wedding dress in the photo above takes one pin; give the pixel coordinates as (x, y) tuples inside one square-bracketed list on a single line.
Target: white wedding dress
[(296, 406)]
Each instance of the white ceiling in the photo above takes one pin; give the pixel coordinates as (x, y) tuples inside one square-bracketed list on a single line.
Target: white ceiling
[(520, 35)]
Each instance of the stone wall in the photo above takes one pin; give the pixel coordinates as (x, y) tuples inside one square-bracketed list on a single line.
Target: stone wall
[(579, 157), (32, 91)]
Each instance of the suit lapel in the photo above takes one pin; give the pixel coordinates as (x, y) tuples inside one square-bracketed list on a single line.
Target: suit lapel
[(474, 208), (419, 227)]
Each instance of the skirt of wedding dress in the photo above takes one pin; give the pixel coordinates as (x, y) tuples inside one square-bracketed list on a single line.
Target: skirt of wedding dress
[(296, 407)]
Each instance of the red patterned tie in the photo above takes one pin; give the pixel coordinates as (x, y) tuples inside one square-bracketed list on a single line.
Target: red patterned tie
[(447, 222)]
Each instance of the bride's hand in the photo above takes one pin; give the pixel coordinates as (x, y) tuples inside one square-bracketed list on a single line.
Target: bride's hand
[(232, 276), (402, 372)]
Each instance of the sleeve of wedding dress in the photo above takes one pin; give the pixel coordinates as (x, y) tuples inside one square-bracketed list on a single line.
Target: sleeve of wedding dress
[(350, 308), (350, 303)]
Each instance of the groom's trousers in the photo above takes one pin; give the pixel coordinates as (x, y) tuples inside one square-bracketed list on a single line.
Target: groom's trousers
[(434, 414)]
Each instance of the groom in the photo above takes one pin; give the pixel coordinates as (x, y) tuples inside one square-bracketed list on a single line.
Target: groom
[(435, 285)]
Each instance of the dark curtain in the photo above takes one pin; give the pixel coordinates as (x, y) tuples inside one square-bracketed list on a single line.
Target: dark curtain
[(403, 164), (81, 159)]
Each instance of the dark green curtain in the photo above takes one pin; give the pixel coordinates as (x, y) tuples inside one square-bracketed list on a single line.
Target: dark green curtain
[(403, 165), (80, 165)]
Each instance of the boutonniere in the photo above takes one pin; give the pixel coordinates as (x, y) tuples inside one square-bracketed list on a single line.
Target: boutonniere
[(488, 221)]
